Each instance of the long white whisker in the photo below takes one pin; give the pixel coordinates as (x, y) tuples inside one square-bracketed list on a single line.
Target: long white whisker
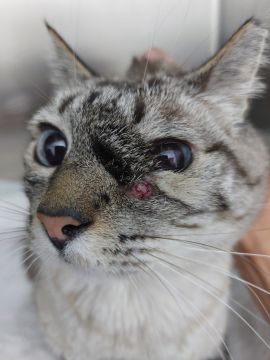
[(220, 270), (172, 266), (205, 247), (177, 40), (178, 305), (205, 319), (12, 218), (32, 263), (15, 206), (15, 251), (162, 279), (139, 293), (12, 211)]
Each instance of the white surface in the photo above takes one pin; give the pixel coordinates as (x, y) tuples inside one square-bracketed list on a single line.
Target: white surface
[(107, 33), (20, 337)]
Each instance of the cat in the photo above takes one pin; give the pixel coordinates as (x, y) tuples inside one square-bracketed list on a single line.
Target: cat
[(139, 188)]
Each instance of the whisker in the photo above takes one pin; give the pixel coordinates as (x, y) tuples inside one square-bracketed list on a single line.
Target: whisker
[(221, 271), (209, 248), (19, 230), (5, 209), (41, 267), (151, 45), (250, 287), (184, 241), (12, 219), (231, 275), (177, 39), (15, 206), (40, 92), (156, 27), (159, 277), (218, 233), (13, 209), (139, 296), (36, 258), (10, 240), (207, 321), (147, 266), (261, 304), (21, 249), (172, 266)]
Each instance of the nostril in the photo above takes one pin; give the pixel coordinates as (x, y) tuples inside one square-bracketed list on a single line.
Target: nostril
[(59, 244), (69, 230), (72, 230), (61, 228)]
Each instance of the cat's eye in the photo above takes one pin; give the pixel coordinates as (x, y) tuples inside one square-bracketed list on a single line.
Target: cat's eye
[(172, 154), (51, 147)]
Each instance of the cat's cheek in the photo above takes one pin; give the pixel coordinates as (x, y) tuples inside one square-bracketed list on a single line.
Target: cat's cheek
[(141, 190)]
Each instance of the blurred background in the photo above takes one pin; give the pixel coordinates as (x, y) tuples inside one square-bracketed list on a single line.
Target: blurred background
[(106, 34)]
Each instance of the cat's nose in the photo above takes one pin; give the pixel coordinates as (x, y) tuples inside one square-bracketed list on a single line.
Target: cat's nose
[(61, 229)]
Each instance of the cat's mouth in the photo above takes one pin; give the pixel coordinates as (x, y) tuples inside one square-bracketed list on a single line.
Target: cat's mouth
[(84, 253), (118, 265)]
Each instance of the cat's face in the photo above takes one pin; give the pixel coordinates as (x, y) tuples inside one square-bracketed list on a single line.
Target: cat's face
[(121, 168)]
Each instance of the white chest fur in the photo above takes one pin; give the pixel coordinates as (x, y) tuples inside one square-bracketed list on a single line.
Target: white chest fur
[(139, 317)]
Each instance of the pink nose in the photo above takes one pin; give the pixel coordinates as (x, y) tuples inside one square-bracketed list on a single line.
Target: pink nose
[(58, 227)]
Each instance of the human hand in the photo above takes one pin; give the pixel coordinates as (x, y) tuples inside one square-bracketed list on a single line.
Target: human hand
[(254, 267)]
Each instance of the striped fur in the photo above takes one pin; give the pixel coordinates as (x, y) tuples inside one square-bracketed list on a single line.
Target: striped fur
[(108, 299)]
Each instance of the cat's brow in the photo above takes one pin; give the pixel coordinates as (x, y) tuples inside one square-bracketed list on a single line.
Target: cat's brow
[(139, 111), (65, 103), (89, 101)]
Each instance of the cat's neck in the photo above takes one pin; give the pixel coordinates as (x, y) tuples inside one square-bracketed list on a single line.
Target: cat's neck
[(167, 305)]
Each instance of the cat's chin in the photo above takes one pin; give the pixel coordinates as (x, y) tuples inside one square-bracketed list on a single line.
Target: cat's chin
[(97, 268), (74, 258), (101, 271)]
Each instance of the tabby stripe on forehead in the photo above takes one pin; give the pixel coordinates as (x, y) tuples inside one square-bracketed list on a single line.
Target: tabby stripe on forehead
[(65, 103), (89, 101), (139, 111)]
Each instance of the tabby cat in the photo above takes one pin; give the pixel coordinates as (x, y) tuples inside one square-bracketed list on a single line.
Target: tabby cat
[(139, 188)]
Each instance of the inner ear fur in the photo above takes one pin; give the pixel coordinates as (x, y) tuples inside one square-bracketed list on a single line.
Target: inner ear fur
[(67, 66), (235, 66)]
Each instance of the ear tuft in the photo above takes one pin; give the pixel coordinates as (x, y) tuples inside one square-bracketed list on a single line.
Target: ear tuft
[(232, 74), (67, 67)]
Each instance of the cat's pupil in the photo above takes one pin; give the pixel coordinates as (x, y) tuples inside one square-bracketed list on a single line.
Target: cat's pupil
[(173, 155), (51, 148), (54, 149)]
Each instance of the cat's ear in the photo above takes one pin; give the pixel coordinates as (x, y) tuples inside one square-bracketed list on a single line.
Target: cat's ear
[(67, 67), (231, 76)]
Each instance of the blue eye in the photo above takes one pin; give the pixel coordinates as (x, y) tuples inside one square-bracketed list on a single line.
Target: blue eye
[(172, 155), (51, 147)]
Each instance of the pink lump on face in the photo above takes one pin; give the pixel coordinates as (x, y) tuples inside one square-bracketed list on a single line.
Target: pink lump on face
[(141, 190)]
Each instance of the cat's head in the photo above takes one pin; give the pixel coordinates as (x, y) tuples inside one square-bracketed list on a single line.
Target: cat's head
[(119, 168)]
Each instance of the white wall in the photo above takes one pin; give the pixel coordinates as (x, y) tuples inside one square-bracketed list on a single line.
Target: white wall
[(233, 13), (108, 32)]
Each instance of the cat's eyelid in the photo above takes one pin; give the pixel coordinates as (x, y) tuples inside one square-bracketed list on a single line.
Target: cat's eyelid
[(46, 125), (35, 127)]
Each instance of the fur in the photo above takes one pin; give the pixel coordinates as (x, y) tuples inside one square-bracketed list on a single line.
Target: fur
[(135, 284)]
